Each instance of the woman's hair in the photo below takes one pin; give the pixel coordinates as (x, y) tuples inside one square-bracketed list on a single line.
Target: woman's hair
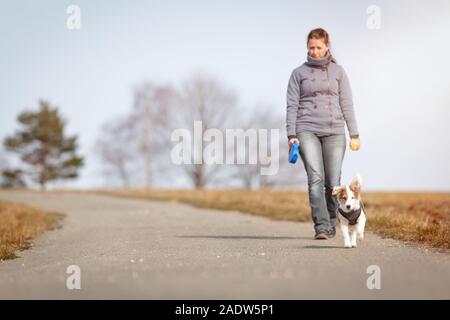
[(320, 33)]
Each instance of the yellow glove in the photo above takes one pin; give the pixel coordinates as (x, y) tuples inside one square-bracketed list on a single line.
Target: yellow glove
[(354, 144)]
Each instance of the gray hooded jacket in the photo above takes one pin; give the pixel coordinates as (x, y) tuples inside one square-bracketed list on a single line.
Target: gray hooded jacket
[(319, 99)]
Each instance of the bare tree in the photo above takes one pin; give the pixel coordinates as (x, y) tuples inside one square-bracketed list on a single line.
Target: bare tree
[(137, 147), (151, 114), (204, 98), (116, 148), (288, 175), (132, 146)]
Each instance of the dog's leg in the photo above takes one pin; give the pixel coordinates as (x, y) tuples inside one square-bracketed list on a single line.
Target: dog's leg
[(361, 225), (344, 230), (353, 237)]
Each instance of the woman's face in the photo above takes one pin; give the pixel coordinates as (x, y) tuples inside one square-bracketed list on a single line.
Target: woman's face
[(317, 48)]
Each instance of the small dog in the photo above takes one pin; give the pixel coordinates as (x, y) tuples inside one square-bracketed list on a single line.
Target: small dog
[(351, 213)]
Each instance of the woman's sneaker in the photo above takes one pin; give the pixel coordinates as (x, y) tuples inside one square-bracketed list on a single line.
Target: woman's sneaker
[(321, 236), (331, 233)]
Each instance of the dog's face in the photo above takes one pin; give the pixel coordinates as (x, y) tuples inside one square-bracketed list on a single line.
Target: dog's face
[(349, 196)]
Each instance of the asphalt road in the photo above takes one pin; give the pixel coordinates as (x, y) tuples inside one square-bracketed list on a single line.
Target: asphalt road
[(139, 249)]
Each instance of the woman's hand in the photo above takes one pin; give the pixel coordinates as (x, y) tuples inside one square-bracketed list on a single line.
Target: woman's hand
[(354, 144), (292, 141)]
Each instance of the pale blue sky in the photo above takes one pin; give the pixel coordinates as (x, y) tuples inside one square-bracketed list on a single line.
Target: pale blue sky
[(400, 74)]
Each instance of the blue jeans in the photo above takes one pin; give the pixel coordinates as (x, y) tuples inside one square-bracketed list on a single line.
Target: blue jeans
[(322, 157)]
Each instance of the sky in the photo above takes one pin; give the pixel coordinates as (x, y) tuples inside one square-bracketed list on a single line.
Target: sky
[(399, 73)]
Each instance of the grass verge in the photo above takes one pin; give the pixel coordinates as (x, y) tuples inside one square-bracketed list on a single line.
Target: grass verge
[(19, 224)]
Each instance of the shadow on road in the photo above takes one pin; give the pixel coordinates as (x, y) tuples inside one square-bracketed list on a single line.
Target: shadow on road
[(323, 247), (244, 237)]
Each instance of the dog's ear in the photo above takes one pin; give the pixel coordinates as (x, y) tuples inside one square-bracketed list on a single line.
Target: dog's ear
[(355, 186), (358, 178), (336, 191)]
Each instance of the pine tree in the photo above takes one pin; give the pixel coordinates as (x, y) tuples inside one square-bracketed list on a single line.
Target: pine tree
[(43, 146)]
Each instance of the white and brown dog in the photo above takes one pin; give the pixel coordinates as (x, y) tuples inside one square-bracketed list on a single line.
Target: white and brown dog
[(351, 214)]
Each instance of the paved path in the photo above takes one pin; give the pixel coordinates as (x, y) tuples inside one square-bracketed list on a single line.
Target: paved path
[(129, 248)]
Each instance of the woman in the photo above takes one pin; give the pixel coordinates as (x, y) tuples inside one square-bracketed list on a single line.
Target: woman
[(319, 103)]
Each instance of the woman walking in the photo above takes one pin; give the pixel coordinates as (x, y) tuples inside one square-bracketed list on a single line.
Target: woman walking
[(319, 104)]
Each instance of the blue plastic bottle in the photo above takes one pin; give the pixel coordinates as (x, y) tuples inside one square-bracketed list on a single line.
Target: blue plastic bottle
[(293, 153)]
